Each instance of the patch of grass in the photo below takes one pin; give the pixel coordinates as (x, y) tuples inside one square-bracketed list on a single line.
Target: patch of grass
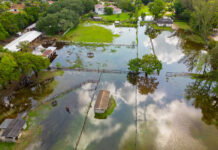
[(91, 33), (116, 17), (161, 28), (109, 111), (113, 51), (6, 146), (195, 39), (182, 25)]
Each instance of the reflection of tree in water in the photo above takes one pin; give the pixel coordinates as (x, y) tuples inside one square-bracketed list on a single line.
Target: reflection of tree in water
[(145, 84), (205, 96), (20, 101)]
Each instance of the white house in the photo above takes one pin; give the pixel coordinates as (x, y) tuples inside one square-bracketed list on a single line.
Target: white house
[(99, 9)]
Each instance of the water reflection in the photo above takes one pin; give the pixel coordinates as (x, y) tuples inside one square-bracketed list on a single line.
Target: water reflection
[(205, 96), (24, 99), (145, 84)]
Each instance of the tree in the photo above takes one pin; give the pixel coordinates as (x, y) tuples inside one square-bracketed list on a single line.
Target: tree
[(25, 47), (157, 8), (145, 2), (204, 17), (134, 65), (108, 10), (126, 5), (143, 16), (150, 63), (3, 33)]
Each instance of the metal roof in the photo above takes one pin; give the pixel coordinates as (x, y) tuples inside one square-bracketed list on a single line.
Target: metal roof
[(5, 123), (14, 128), (102, 100), (29, 36)]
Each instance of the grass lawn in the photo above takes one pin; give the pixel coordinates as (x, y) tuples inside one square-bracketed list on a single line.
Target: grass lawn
[(91, 33), (182, 25), (116, 17), (144, 9), (6, 146)]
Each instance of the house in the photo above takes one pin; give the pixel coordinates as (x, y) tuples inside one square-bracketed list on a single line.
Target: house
[(102, 101), (50, 2), (15, 8), (165, 22), (115, 9), (29, 36), (50, 52), (99, 9), (11, 129)]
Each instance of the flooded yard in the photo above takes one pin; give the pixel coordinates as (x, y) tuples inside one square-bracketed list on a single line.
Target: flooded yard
[(155, 112)]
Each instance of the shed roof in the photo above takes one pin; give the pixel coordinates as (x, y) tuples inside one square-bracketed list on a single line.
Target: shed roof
[(29, 36), (14, 128), (47, 53), (5, 123), (102, 100)]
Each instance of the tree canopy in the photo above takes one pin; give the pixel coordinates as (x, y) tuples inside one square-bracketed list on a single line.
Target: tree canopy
[(157, 8), (149, 63), (14, 65)]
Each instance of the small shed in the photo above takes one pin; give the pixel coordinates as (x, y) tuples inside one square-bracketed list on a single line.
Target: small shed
[(117, 22), (13, 131), (50, 52), (97, 18), (102, 101)]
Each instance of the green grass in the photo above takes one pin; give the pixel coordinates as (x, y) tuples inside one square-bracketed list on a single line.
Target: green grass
[(182, 25), (116, 17), (144, 9), (6, 146), (91, 33)]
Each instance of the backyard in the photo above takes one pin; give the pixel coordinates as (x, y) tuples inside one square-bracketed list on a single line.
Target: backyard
[(89, 33)]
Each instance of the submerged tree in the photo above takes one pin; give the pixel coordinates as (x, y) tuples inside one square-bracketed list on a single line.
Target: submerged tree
[(134, 65), (150, 63)]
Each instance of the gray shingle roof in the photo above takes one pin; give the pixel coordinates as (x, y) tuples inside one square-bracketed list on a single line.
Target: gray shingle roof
[(14, 128)]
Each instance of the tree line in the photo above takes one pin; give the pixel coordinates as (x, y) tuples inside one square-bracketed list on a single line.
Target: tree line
[(14, 65), (11, 23), (63, 15)]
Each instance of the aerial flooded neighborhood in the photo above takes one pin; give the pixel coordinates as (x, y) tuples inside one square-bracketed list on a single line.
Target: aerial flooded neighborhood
[(108, 75)]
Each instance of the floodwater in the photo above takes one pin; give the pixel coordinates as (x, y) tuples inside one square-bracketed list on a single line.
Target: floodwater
[(159, 112)]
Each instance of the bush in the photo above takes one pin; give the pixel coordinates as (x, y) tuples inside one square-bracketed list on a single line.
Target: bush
[(108, 10)]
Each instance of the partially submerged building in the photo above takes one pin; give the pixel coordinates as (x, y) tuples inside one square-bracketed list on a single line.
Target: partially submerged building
[(28, 36), (50, 52), (11, 129), (102, 101)]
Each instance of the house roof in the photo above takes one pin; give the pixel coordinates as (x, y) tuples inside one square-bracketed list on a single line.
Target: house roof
[(14, 128), (165, 21), (47, 53), (29, 36), (99, 6), (5, 123), (102, 100), (18, 6)]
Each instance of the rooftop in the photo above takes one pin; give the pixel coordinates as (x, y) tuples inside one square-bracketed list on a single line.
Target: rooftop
[(5, 123), (14, 128), (102, 100), (29, 36)]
